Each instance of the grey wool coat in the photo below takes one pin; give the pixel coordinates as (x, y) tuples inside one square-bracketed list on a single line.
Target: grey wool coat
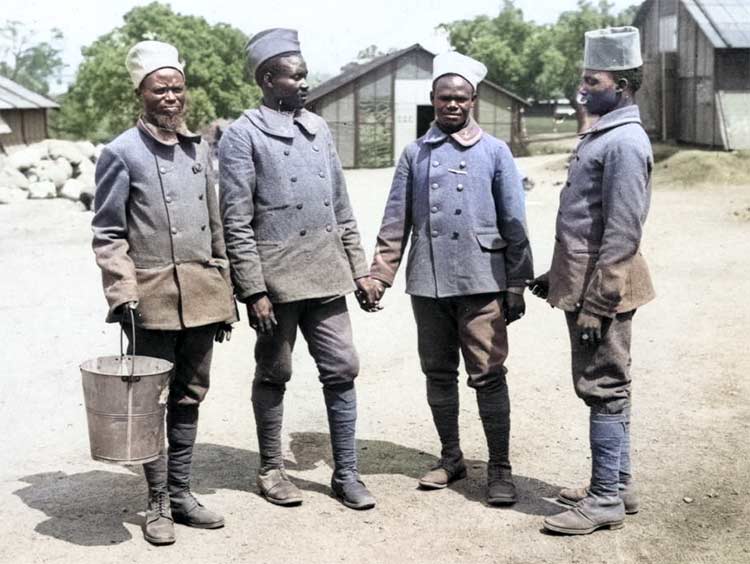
[(157, 232), (288, 224), (460, 200), (597, 264)]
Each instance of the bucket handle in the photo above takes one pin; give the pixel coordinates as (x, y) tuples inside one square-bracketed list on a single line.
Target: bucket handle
[(131, 377)]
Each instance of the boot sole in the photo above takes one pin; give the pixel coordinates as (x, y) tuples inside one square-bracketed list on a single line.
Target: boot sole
[(282, 502), (159, 542), (612, 526), (357, 506), (572, 503), (440, 486), (500, 501), (214, 525)]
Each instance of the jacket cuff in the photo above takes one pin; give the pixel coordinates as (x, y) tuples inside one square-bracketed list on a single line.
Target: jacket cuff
[(596, 309), (516, 290)]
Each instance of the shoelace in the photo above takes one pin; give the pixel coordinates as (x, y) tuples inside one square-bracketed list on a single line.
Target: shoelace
[(162, 501)]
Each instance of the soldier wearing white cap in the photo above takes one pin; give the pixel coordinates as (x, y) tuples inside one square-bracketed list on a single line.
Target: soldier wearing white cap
[(295, 253), (598, 275), (458, 196), (159, 243)]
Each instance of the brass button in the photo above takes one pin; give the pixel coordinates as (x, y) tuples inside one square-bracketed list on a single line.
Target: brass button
[(434, 209), (435, 186), (174, 231), (326, 203), (435, 163), (293, 179), (462, 164), (168, 200), (162, 169), (329, 228), (454, 235), (434, 232), (458, 212), (300, 205), (315, 148), (460, 187), (322, 174), (200, 196), (203, 227), (303, 232), (286, 152)]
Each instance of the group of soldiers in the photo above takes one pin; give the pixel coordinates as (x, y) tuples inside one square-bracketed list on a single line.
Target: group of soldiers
[(281, 238)]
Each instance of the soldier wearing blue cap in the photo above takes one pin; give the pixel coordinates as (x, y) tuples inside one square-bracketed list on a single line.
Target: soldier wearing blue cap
[(458, 196), (598, 275), (295, 252)]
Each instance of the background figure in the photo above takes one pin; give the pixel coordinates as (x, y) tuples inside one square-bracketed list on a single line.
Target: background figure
[(598, 275), (158, 241), (295, 252), (457, 193)]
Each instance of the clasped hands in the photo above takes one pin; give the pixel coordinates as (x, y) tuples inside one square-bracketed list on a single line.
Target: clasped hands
[(588, 325), (369, 293)]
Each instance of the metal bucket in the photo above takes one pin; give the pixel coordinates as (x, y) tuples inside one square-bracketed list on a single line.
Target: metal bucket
[(125, 398)]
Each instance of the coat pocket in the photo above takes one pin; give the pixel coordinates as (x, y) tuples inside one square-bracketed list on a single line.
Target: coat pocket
[(491, 240)]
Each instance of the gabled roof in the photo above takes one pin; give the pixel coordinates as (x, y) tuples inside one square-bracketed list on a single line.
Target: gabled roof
[(13, 96), (351, 75), (726, 23)]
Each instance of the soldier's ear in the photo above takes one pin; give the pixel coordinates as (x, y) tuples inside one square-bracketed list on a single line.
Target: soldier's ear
[(622, 84)]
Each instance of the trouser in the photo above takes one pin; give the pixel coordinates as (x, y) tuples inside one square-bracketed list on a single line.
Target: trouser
[(601, 375), (326, 327), (475, 325), (190, 350)]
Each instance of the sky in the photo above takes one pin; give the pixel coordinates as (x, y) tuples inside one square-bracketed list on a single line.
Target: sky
[(331, 32)]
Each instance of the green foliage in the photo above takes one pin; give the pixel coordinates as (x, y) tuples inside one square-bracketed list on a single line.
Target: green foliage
[(101, 102), (539, 61), (27, 61)]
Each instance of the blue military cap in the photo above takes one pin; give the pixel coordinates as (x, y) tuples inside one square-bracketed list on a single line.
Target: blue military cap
[(269, 43)]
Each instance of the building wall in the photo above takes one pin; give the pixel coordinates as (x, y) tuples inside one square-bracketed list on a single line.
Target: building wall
[(374, 118), (733, 69), (409, 93), (698, 119), (494, 112), (338, 110), (27, 126)]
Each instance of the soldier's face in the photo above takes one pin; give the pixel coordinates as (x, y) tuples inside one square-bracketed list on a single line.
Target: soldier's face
[(288, 83), (598, 92), (453, 99), (163, 95)]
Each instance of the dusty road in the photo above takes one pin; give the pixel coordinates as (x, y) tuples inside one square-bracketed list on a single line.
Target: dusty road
[(691, 414)]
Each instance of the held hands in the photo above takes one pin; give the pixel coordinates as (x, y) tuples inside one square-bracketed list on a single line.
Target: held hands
[(539, 286), (514, 307), (589, 328), (260, 314), (369, 292)]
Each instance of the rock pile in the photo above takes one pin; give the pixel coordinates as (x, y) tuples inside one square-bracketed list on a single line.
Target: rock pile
[(51, 169)]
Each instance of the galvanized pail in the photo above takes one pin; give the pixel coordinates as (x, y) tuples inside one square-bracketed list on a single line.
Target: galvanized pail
[(125, 397)]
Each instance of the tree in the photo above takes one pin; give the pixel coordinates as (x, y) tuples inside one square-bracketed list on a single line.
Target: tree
[(29, 62), (365, 56), (535, 61), (101, 103)]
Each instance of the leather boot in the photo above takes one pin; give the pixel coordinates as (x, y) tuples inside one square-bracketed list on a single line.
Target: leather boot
[(158, 527), (442, 397), (602, 507), (494, 410), (182, 428), (341, 406), (273, 483)]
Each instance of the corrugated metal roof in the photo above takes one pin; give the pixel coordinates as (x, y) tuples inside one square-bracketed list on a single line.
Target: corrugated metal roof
[(726, 23), (346, 77), (15, 96)]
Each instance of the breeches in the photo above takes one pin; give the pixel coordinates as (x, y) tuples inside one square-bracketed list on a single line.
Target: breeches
[(473, 324), (601, 375), (327, 329), (190, 351)]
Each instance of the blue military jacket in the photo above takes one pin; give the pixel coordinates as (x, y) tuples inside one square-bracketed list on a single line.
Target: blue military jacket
[(461, 202), (597, 264), (289, 226)]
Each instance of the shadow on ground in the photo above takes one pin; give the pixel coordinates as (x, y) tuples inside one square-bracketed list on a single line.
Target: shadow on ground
[(92, 508)]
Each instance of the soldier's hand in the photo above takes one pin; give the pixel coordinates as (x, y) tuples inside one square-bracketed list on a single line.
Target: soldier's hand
[(369, 291), (539, 286), (261, 316), (223, 333), (589, 328), (514, 307)]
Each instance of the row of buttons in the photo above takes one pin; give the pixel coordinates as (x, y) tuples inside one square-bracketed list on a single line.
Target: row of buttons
[(436, 233), (436, 209), (321, 174), (303, 232), (459, 187), (462, 164), (314, 148), (174, 229), (169, 199)]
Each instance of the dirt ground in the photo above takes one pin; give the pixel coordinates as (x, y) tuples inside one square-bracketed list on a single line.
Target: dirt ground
[(691, 418)]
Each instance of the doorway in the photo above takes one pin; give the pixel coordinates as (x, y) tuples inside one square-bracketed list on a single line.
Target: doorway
[(425, 115)]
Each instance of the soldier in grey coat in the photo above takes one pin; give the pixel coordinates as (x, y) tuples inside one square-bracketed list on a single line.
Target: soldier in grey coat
[(598, 275), (159, 243), (295, 252), (458, 197)]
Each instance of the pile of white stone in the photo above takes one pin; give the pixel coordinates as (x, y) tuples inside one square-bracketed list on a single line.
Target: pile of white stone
[(52, 168)]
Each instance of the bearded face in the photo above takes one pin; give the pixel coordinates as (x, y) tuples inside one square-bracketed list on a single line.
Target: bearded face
[(163, 95)]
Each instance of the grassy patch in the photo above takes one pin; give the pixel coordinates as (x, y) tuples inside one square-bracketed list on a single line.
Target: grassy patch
[(684, 168)]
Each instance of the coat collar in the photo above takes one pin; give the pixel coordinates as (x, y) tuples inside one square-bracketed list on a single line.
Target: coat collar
[(469, 135), (281, 124), (158, 135), (616, 118)]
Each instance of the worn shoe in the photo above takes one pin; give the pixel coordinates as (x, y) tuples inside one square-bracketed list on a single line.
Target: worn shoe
[(277, 488), (159, 525), (353, 493), (500, 488), (588, 515), (628, 494), (187, 510), (439, 476)]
